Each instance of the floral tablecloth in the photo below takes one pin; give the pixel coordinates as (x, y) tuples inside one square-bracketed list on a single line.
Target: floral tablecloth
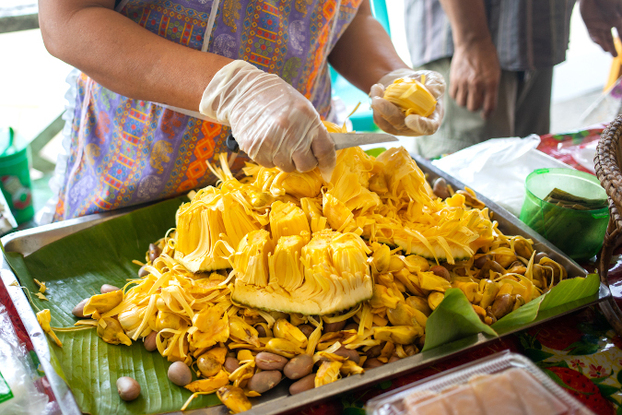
[(579, 351)]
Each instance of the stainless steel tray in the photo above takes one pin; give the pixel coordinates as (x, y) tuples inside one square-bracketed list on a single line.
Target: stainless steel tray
[(278, 401)]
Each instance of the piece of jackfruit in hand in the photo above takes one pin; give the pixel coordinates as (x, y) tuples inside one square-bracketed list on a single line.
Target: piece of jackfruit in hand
[(411, 96), (328, 274)]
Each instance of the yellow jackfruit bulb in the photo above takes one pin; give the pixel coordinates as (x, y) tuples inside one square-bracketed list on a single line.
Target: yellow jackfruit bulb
[(243, 331), (398, 334), (101, 303), (331, 127), (234, 399), (328, 372), (381, 258), (199, 224), (340, 218), (313, 210), (285, 266), (44, 317), (250, 261), (283, 329), (299, 185), (111, 332), (349, 254), (411, 96), (209, 327), (287, 219)]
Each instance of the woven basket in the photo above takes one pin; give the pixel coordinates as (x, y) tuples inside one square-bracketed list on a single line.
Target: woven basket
[(607, 164)]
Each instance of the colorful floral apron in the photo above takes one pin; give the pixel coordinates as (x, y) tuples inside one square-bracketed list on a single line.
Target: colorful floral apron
[(124, 151)]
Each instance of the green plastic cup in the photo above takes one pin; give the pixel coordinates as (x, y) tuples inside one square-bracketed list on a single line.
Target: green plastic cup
[(577, 233), (15, 178)]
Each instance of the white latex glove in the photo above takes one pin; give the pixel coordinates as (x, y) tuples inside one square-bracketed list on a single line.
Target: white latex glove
[(391, 119), (271, 121)]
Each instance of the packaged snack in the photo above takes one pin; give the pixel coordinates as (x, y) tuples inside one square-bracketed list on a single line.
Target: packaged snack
[(504, 383)]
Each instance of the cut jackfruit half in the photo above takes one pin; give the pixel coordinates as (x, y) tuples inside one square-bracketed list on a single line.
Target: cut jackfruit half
[(323, 275)]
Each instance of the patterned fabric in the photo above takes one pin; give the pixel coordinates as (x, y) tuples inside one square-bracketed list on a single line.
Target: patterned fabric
[(124, 151), (528, 34)]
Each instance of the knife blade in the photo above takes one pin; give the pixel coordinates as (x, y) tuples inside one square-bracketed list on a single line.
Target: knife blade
[(341, 140), (345, 140)]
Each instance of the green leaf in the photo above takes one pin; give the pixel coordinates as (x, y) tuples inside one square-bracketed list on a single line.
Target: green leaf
[(602, 378), (520, 316), (74, 268), (453, 319), (565, 292), (536, 355), (607, 390), (582, 349), (561, 363), (570, 290), (375, 152)]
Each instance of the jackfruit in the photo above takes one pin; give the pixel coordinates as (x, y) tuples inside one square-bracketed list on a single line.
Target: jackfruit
[(411, 96), (328, 274)]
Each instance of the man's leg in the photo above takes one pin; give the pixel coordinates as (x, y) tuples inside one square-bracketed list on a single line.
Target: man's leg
[(462, 128), (533, 105)]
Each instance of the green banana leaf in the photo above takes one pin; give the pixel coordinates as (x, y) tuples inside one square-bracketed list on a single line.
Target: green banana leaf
[(454, 318), (74, 268), (564, 293)]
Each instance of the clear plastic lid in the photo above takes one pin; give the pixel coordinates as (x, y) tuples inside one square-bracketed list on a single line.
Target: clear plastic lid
[(505, 383)]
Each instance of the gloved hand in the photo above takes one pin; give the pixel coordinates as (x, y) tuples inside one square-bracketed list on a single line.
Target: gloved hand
[(390, 117), (271, 121)]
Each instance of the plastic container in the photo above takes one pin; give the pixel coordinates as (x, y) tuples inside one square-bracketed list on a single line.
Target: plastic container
[(578, 233), (505, 380), (15, 177)]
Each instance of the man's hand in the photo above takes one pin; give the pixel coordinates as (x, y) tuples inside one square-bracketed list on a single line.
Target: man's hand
[(474, 76), (600, 16)]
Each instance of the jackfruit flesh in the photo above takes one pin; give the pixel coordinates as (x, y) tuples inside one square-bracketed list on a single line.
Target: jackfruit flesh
[(328, 274), (411, 96)]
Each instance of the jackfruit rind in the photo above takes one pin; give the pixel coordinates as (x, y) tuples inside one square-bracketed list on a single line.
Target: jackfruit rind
[(283, 301)]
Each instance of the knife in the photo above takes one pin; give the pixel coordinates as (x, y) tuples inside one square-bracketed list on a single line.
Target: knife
[(341, 140)]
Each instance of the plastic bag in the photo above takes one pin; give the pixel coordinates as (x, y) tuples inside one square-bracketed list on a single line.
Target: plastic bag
[(606, 107), (18, 391), (497, 168)]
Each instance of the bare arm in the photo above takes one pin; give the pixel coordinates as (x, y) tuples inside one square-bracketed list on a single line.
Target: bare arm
[(475, 71), (123, 56), (365, 53)]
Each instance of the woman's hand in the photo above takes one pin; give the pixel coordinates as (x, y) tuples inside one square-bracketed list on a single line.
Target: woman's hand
[(391, 119), (271, 121)]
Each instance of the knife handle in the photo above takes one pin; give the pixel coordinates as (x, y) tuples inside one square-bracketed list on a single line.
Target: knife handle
[(232, 145)]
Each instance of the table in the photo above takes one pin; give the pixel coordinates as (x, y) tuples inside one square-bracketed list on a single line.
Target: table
[(578, 351)]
